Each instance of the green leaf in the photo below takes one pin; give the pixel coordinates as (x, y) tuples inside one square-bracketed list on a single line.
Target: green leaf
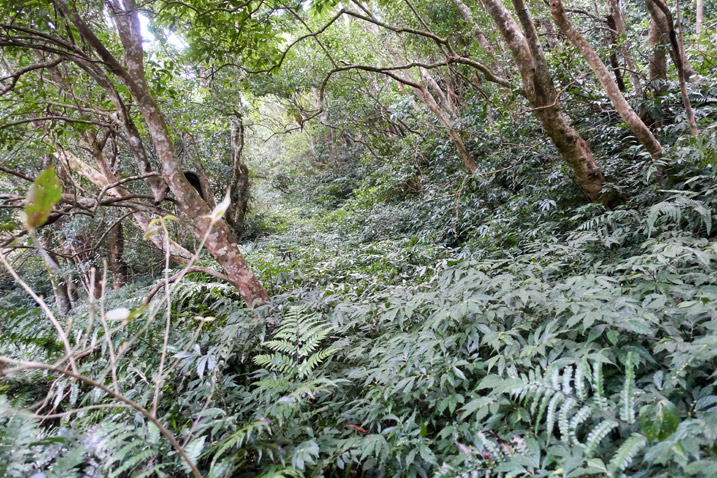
[(658, 420), (45, 192)]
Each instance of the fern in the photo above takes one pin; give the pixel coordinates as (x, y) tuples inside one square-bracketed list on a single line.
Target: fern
[(627, 452), (627, 413), (127, 450), (239, 438), (563, 394), (26, 448), (296, 345), (674, 209)]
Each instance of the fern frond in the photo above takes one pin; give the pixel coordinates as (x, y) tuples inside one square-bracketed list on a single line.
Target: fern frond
[(578, 419), (552, 408), (627, 412), (490, 446), (131, 461), (597, 435), (598, 386), (296, 344), (564, 419), (627, 452)]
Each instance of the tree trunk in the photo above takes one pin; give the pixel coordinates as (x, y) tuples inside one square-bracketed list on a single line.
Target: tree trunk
[(479, 36), (616, 14), (432, 105), (236, 215), (628, 115), (58, 282), (443, 116), (540, 91), (614, 63), (117, 263), (699, 14), (680, 64), (178, 253), (660, 44), (443, 98)]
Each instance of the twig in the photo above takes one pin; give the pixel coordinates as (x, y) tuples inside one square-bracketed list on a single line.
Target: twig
[(45, 309), (27, 365)]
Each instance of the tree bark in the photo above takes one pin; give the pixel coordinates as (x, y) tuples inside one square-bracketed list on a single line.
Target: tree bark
[(444, 117), (680, 60), (541, 94), (614, 63), (239, 192), (178, 253), (699, 14), (443, 98), (628, 115), (479, 36), (117, 263), (616, 14), (430, 102), (660, 44), (58, 282)]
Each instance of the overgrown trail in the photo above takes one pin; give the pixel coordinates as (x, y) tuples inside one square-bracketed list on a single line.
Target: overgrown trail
[(417, 239)]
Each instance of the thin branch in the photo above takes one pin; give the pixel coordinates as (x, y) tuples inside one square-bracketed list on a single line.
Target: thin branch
[(45, 309), (206, 270), (27, 365)]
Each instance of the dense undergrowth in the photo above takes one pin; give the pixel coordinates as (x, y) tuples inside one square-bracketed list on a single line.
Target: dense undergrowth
[(476, 326)]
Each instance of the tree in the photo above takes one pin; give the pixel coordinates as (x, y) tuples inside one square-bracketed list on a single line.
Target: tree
[(101, 64), (632, 119), (540, 91)]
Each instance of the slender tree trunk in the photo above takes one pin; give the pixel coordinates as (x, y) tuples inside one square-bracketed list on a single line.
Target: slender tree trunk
[(479, 36), (679, 59), (612, 44), (540, 91), (236, 215), (660, 44), (616, 13), (432, 105), (444, 117), (550, 35), (689, 71), (699, 13), (94, 282), (443, 98), (177, 252), (628, 115), (58, 282), (117, 263)]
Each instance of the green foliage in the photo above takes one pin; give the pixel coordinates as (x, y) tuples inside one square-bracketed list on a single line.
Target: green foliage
[(296, 345), (451, 324), (43, 194)]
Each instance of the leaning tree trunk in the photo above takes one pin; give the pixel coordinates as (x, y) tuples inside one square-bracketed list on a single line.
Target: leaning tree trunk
[(633, 121), (117, 263), (479, 36), (427, 98), (102, 180), (444, 117), (540, 91)]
